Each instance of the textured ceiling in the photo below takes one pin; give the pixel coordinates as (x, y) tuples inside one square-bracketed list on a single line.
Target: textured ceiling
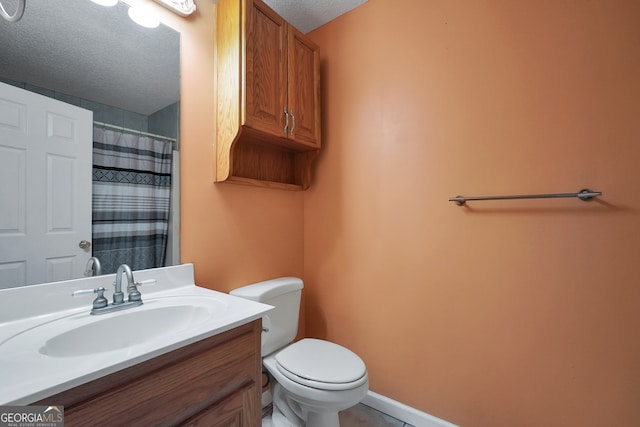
[(307, 15), (82, 49)]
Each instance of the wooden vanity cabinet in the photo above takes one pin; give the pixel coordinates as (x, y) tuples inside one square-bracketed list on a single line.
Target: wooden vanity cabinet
[(268, 86), (213, 382)]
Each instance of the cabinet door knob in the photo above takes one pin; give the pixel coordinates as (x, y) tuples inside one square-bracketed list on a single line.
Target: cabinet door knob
[(84, 244), (293, 124), (286, 120)]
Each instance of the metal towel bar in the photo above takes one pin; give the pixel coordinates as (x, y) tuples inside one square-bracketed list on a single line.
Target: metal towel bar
[(583, 195)]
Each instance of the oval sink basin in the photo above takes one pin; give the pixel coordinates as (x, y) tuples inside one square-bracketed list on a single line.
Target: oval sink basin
[(148, 324), (124, 330)]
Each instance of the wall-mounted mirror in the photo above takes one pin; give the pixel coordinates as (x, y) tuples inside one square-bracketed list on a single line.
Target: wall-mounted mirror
[(85, 57)]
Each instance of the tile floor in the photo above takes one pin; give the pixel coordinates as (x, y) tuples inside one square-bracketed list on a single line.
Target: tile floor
[(358, 416), (365, 416)]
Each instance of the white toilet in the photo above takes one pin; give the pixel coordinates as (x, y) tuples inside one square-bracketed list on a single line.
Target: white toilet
[(315, 379)]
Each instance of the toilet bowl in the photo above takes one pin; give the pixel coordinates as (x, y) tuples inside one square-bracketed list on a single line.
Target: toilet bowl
[(314, 379), (319, 379)]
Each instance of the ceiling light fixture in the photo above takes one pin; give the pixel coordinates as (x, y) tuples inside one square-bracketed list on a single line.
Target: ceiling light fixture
[(106, 2), (142, 16), (18, 14), (181, 7)]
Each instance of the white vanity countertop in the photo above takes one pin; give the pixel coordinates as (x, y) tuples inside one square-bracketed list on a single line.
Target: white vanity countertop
[(29, 314)]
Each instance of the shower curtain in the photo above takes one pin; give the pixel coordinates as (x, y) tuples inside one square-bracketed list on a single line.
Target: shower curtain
[(131, 199)]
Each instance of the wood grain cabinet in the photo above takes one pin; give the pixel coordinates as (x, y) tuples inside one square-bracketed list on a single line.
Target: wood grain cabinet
[(268, 86), (213, 382)]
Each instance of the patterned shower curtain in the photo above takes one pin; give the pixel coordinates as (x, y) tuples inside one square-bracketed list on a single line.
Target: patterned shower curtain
[(131, 199)]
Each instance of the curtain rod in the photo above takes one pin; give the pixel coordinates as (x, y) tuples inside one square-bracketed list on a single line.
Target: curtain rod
[(583, 195), (137, 132)]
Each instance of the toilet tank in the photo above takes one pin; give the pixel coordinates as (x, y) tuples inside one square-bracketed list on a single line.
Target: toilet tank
[(281, 323)]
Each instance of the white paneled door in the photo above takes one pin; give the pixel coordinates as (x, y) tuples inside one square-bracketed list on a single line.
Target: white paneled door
[(45, 188)]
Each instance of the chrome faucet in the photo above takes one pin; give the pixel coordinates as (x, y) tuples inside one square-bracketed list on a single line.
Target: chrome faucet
[(100, 304), (118, 295), (93, 267)]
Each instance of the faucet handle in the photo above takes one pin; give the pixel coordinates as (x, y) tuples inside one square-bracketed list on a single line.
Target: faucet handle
[(87, 291), (100, 300), (134, 293)]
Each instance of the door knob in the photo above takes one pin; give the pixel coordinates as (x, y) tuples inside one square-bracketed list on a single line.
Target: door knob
[(84, 244)]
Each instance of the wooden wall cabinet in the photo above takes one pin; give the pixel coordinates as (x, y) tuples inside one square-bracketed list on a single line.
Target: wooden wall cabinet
[(268, 87), (213, 382)]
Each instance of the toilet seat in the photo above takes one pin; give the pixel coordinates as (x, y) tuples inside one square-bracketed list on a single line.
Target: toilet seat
[(322, 365)]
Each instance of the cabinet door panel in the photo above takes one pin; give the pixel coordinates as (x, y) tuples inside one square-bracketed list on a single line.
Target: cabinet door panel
[(231, 412), (304, 89), (266, 69)]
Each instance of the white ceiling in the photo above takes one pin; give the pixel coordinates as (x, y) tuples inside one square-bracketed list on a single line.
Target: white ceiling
[(307, 15)]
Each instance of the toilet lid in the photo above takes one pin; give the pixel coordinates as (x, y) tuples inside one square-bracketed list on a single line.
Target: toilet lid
[(321, 361)]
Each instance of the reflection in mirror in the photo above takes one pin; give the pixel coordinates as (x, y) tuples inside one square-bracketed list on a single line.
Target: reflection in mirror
[(73, 75)]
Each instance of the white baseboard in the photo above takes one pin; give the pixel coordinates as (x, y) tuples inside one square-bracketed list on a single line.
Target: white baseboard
[(403, 412)]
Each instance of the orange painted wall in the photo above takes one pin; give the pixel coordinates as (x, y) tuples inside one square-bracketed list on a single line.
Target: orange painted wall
[(233, 235), (498, 314)]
